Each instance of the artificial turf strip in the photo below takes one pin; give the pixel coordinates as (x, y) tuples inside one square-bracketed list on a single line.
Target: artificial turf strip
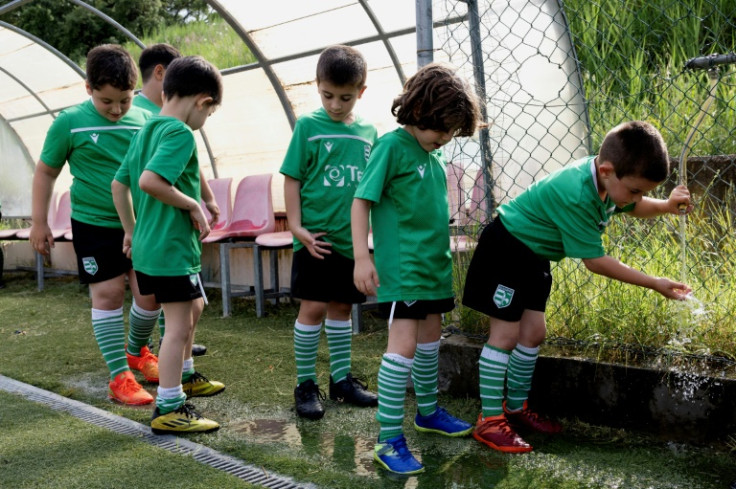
[(44, 448), (46, 340)]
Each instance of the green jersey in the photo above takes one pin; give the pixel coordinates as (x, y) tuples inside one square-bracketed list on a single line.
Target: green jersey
[(328, 158), (94, 148), (410, 219), (562, 214), (165, 242), (144, 102)]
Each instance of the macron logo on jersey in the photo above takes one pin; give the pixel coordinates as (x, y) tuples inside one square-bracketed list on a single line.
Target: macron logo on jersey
[(94, 137), (421, 169), (328, 146)]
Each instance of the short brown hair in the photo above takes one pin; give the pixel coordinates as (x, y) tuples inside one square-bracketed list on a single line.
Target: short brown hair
[(342, 65), (437, 98), (156, 54), (193, 75), (110, 64), (636, 148)]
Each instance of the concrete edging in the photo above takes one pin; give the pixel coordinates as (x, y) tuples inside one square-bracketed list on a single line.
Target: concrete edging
[(675, 405)]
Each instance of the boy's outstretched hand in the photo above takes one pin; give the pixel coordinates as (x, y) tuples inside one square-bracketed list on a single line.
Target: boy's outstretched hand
[(679, 201), (672, 289)]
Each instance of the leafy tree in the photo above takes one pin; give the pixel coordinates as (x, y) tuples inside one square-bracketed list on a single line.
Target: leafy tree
[(74, 30)]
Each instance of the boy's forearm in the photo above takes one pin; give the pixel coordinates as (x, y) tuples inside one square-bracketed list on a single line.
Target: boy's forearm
[(293, 202), (205, 189), (359, 223), (649, 207), (612, 268), (160, 189), (44, 178)]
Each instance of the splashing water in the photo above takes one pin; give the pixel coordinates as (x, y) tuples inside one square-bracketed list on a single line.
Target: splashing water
[(697, 308), (692, 312)]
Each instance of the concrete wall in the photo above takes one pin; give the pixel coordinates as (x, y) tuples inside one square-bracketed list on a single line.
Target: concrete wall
[(677, 405)]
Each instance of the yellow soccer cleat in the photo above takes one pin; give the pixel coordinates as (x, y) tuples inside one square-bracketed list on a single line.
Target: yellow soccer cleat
[(183, 420), (200, 386)]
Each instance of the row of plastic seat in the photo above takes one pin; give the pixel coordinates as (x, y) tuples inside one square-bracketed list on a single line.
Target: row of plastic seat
[(247, 220)]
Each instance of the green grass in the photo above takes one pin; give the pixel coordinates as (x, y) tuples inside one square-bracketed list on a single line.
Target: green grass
[(593, 309), (43, 448), (46, 340), (214, 40)]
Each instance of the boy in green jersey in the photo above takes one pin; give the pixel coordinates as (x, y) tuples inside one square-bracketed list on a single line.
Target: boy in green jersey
[(93, 137), (153, 61), (404, 188), (323, 165), (563, 214), (160, 179)]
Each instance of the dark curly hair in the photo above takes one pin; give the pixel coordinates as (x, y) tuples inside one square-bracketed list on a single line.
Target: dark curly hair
[(437, 98)]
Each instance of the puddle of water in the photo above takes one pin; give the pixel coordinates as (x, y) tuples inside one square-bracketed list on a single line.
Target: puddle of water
[(468, 468)]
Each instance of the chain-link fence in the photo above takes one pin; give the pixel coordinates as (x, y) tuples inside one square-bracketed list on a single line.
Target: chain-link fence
[(556, 76)]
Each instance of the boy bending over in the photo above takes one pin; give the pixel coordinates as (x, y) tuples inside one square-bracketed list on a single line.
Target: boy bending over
[(563, 214)]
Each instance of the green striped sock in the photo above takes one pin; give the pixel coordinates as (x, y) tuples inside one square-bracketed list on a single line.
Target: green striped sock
[(306, 344), (141, 324), (521, 368), (393, 375), (424, 372), (339, 340), (170, 399), (492, 365), (109, 330)]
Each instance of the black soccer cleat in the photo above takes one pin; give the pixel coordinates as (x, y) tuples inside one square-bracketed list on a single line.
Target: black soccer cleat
[(308, 400), (352, 391)]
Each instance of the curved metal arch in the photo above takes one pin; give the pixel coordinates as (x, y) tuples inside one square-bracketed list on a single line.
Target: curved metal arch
[(384, 38), (74, 66), (23, 147), (265, 64), (29, 90), (110, 21)]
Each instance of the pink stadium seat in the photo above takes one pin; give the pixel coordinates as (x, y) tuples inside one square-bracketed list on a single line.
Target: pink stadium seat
[(252, 215), (221, 187), (252, 212), (59, 215)]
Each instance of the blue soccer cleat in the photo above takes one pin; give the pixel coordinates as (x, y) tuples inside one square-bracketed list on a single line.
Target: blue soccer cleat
[(443, 423), (394, 456)]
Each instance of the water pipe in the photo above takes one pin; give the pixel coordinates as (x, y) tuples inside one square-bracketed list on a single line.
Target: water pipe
[(713, 76)]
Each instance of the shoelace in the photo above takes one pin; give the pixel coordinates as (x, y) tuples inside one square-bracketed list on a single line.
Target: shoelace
[(501, 425), (357, 381), (197, 377), (400, 447), (129, 385), (305, 393), (188, 410)]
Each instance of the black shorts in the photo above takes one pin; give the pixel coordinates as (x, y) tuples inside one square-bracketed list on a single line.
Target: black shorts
[(416, 309), (505, 277), (328, 280), (181, 288), (99, 252)]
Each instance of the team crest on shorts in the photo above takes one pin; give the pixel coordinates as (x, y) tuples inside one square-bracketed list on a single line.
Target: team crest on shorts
[(90, 265), (194, 279), (502, 297)]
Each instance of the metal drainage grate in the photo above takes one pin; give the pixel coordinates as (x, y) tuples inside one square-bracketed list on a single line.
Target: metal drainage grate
[(119, 424)]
